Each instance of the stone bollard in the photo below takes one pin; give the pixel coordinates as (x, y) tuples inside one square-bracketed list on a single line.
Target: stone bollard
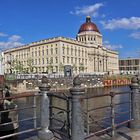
[(135, 109), (45, 133), (77, 132)]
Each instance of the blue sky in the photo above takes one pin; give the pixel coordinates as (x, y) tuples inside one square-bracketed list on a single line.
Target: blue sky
[(25, 21)]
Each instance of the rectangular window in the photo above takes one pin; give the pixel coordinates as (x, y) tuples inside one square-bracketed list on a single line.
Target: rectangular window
[(47, 61), (39, 61), (79, 52), (75, 60), (35, 53), (43, 61), (47, 51), (51, 50), (36, 61), (82, 53), (39, 53), (63, 50), (71, 51), (79, 60), (56, 68), (86, 61), (56, 59), (42, 52), (51, 60), (56, 50), (67, 59), (63, 59), (72, 60), (67, 51), (75, 52)]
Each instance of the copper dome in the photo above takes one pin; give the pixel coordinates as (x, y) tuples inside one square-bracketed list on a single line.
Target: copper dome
[(88, 26)]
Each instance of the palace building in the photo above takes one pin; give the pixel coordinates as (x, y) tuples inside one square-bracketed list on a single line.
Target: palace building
[(86, 54)]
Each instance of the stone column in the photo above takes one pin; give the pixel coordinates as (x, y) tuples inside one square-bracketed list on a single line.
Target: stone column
[(45, 133), (135, 106), (77, 93)]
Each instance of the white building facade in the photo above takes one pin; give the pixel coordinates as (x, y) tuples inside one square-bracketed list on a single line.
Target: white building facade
[(86, 54)]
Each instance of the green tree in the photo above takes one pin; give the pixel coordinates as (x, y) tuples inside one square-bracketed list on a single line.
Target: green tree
[(50, 66), (16, 66), (30, 65), (81, 67), (75, 67), (61, 67)]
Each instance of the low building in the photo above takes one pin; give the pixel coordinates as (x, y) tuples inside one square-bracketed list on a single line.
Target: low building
[(86, 54), (129, 66)]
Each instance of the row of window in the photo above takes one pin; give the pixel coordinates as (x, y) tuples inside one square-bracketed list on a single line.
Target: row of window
[(43, 52), (90, 38), (54, 60), (129, 68), (129, 62)]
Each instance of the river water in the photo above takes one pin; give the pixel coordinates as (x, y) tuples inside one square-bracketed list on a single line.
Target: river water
[(91, 103)]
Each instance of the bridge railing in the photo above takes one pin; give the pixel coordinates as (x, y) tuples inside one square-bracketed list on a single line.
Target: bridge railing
[(60, 109), (19, 115), (104, 114), (80, 114)]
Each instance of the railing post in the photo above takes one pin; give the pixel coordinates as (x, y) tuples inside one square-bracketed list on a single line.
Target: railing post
[(45, 133), (135, 109), (77, 114), (112, 94)]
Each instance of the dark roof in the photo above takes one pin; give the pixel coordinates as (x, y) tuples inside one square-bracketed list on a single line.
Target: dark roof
[(88, 26)]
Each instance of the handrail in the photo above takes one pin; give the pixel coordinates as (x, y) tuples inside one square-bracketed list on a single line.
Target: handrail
[(15, 108), (113, 114)]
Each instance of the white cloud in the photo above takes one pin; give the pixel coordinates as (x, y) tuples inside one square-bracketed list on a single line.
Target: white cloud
[(135, 35), (14, 38), (12, 41), (91, 10), (3, 34), (131, 23), (112, 47)]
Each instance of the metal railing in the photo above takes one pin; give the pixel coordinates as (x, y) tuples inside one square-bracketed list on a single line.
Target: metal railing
[(94, 123), (79, 116), (106, 118), (60, 109), (24, 116)]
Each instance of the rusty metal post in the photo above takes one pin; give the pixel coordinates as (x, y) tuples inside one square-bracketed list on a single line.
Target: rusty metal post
[(112, 94), (135, 112), (77, 114), (45, 133)]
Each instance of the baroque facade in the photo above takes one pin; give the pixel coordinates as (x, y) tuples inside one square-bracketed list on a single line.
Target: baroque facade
[(86, 54)]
